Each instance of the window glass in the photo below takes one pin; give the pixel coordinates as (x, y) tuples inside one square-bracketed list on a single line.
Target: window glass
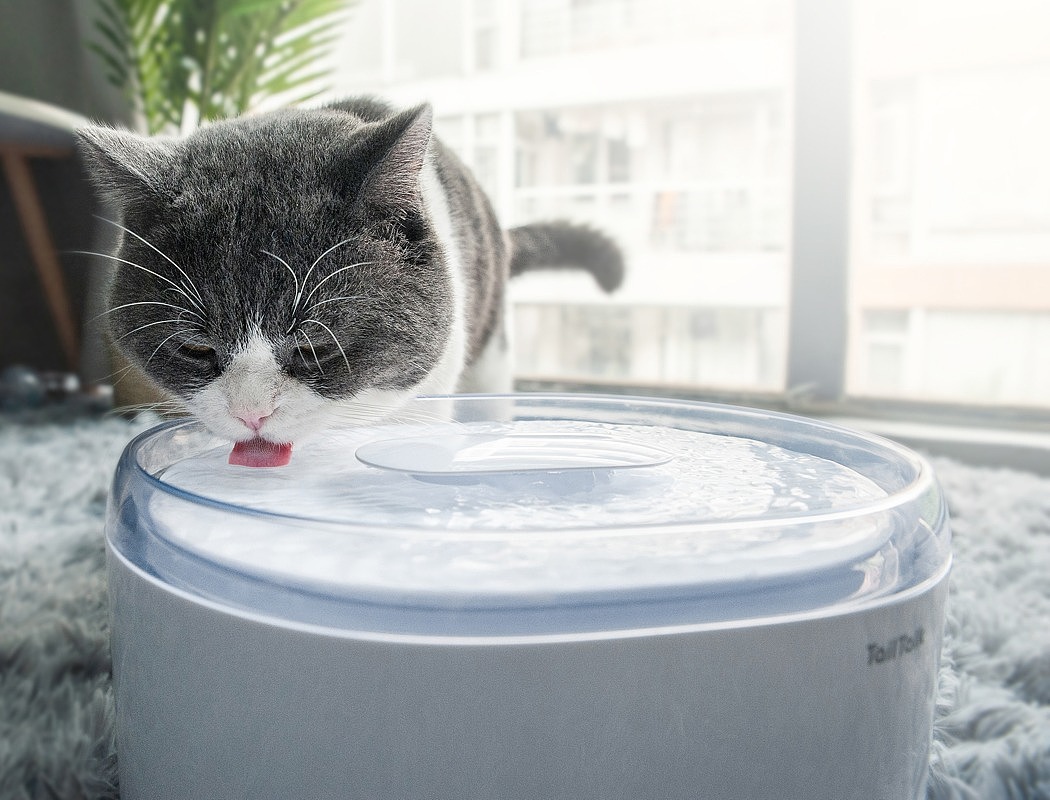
[(665, 124), (487, 156), (695, 191), (951, 235), (572, 26), (484, 20), (426, 39)]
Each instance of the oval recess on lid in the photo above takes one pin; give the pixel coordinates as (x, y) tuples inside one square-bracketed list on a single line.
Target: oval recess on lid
[(496, 454)]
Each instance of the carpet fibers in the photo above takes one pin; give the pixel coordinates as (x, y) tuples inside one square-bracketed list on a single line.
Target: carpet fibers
[(992, 728)]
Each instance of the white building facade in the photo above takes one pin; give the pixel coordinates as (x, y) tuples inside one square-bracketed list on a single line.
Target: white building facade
[(950, 291), (668, 123), (664, 123)]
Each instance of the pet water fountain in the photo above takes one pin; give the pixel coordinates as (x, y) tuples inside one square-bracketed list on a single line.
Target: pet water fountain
[(529, 597)]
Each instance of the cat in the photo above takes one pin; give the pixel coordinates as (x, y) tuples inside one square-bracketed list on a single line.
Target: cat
[(285, 272)]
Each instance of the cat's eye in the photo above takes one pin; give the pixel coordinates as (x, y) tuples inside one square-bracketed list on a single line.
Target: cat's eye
[(197, 350), (309, 356)]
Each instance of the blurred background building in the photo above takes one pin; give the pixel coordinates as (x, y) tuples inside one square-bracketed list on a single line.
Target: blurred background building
[(670, 125), (951, 212), (664, 123)]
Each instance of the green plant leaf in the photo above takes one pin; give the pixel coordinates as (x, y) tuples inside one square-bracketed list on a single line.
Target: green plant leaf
[(220, 57), (118, 70)]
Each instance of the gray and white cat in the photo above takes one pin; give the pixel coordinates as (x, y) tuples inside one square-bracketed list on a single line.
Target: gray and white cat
[(291, 271)]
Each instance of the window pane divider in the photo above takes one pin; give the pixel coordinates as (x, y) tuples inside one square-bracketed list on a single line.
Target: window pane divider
[(820, 218)]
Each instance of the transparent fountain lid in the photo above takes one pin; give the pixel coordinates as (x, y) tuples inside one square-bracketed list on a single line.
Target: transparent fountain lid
[(537, 514)]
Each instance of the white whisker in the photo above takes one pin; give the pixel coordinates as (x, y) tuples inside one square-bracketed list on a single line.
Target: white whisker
[(312, 350), (337, 299), (353, 415), (181, 331), (190, 284), (179, 289), (328, 277), (150, 325), (341, 351), (147, 303), (167, 407), (418, 415), (116, 377), (309, 272), (356, 411), (298, 290)]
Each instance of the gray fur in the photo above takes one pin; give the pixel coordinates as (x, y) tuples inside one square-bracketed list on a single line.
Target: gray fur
[(218, 223), (558, 244), (290, 183)]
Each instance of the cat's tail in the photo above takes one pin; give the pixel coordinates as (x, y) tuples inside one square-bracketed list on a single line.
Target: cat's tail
[(565, 245)]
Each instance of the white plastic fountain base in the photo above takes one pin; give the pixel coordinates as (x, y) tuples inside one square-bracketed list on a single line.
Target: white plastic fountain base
[(548, 596)]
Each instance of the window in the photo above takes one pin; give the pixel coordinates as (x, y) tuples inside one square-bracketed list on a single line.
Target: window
[(952, 186), (485, 40), (556, 27), (884, 367), (695, 191), (677, 127)]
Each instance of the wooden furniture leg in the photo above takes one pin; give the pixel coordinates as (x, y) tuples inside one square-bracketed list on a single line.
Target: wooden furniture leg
[(42, 249)]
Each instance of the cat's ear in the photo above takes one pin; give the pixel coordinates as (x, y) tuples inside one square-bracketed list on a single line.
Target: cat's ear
[(400, 147), (127, 169)]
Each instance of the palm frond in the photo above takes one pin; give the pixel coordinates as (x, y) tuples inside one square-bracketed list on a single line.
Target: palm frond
[(218, 57)]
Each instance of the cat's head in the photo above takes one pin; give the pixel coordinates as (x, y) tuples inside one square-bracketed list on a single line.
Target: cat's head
[(277, 273)]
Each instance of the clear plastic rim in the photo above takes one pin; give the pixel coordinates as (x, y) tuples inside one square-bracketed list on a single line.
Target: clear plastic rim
[(921, 482), (823, 582)]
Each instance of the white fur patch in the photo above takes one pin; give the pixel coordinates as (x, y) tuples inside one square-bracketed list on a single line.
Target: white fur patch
[(493, 370), (253, 385), (446, 373)]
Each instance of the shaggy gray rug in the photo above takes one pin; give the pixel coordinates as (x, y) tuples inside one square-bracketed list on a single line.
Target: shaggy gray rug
[(992, 734)]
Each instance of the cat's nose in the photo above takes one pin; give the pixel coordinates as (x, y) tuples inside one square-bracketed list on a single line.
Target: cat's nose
[(253, 419)]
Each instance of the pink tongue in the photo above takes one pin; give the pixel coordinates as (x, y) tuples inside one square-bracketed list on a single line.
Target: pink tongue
[(260, 453)]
